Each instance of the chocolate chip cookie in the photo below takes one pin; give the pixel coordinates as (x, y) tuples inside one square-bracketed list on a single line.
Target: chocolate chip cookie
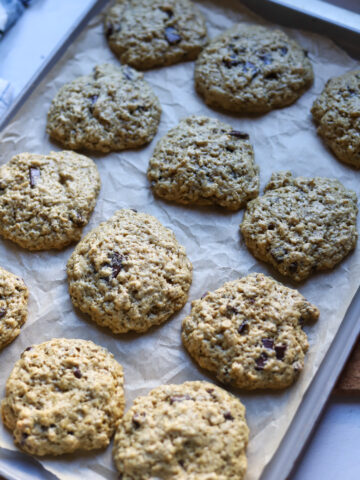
[(248, 332), (251, 68), (203, 161), (112, 109), (337, 115), (154, 33), (63, 395), (129, 273), (301, 225), (46, 200), (13, 306), (195, 430)]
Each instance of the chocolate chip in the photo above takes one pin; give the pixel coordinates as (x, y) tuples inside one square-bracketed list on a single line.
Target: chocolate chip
[(266, 58), (77, 373), (109, 30), (210, 390), (283, 50), (172, 36), (27, 349), (306, 53), (231, 61), (271, 226), (228, 416), (244, 327), (293, 267), (351, 91), (268, 343), (260, 361), (128, 73), (34, 174), (135, 421), (2, 312), (238, 134), (116, 264), (230, 310), (181, 463), (271, 76), (179, 398), (280, 351)]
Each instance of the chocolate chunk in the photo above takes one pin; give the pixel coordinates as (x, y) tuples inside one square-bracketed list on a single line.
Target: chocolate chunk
[(283, 51), (77, 373), (231, 61), (230, 310), (34, 174), (116, 264), (266, 58), (210, 390), (181, 463), (2, 312), (306, 53), (238, 134), (268, 343), (351, 91), (109, 29), (260, 361), (271, 76), (128, 73), (27, 349), (293, 267), (172, 36), (135, 421), (271, 226), (280, 351), (244, 327), (179, 398), (228, 416)]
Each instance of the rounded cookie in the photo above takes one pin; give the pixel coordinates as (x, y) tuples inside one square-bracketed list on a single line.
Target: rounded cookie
[(203, 161), (63, 395), (154, 33), (249, 332), (129, 273), (195, 430), (301, 225), (337, 115), (46, 200), (251, 68), (112, 109), (13, 306)]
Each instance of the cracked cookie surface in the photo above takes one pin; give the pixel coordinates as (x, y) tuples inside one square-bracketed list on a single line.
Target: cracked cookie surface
[(301, 225), (13, 306), (112, 109), (252, 69), (46, 200), (248, 332), (337, 115), (184, 431), (153, 33), (129, 273), (63, 395), (203, 161)]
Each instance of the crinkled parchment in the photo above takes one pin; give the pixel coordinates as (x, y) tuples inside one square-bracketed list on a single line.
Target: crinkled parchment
[(283, 139)]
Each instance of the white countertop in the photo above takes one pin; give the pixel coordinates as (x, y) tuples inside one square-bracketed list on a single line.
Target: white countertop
[(333, 453)]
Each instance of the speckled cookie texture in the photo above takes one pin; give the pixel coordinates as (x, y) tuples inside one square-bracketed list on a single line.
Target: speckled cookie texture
[(112, 109), (248, 332), (154, 33), (129, 273), (251, 68), (203, 161), (13, 306), (46, 200), (337, 115), (63, 395), (301, 225), (193, 431)]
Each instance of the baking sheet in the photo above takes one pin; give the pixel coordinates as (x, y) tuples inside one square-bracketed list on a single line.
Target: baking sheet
[(283, 139)]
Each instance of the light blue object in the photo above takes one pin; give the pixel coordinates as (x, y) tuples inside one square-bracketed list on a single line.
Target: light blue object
[(10, 11), (6, 94)]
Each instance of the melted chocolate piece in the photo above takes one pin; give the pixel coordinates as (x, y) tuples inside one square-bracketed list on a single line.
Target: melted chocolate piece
[(34, 174), (77, 373), (268, 343), (244, 328), (260, 361), (116, 264), (172, 36), (228, 416), (271, 226), (179, 398), (238, 134), (280, 351), (2, 312)]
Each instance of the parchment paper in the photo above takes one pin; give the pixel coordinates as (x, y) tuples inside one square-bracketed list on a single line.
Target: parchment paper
[(283, 139)]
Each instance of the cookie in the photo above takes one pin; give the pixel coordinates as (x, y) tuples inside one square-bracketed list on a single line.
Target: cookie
[(63, 395), (337, 114), (203, 161), (301, 225), (13, 306), (248, 332), (129, 273), (46, 200), (193, 431), (252, 69), (154, 33), (112, 109)]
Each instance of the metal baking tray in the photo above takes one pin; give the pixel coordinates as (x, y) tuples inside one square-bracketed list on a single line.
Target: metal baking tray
[(343, 26)]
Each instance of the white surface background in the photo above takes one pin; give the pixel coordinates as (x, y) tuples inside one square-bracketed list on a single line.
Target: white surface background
[(333, 452)]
